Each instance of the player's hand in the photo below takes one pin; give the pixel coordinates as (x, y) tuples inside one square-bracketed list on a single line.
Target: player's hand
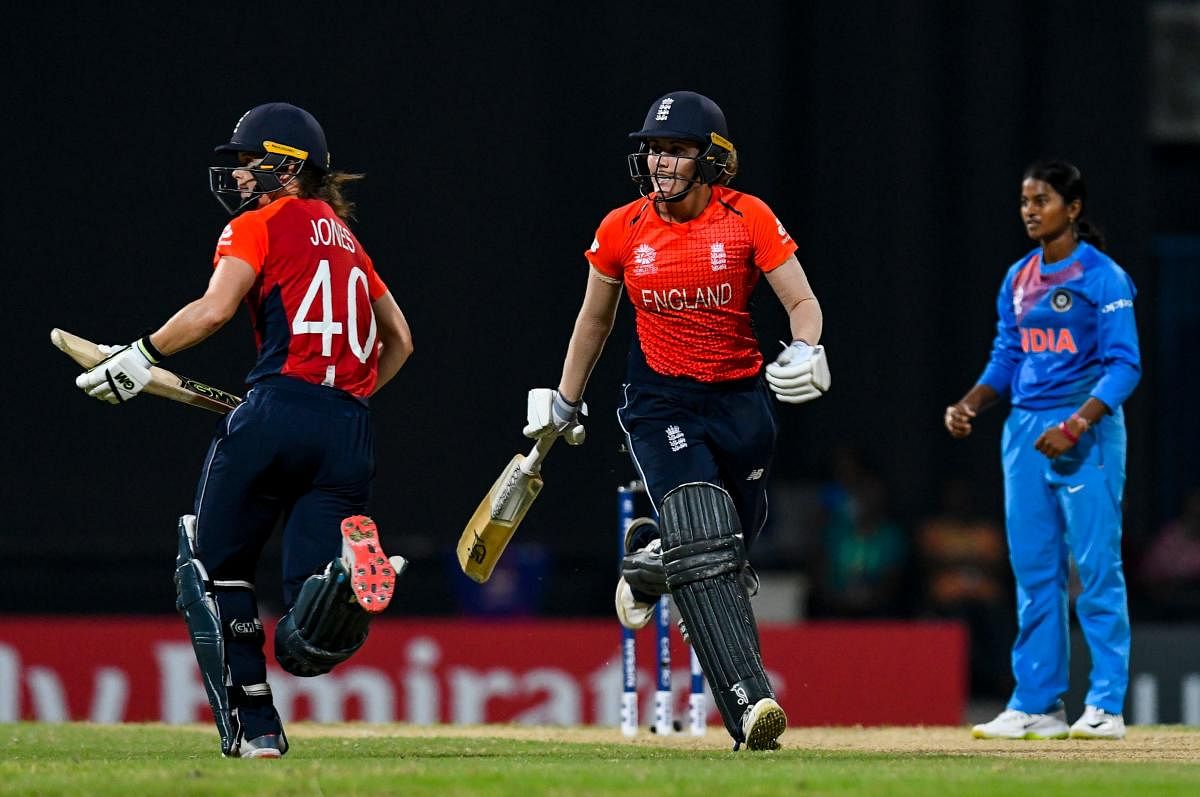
[(800, 373), (1058, 440), (118, 378), (549, 414), (957, 419)]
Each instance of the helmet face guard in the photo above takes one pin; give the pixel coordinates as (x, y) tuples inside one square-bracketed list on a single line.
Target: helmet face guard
[(711, 165), (269, 176), (260, 133)]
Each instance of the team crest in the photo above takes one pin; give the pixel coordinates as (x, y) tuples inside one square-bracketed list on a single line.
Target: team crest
[(716, 256), (644, 256), (1060, 300)]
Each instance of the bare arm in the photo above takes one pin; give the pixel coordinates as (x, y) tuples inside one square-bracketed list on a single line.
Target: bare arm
[(795, 294), (592, 326), (394, 336), (230, 282)]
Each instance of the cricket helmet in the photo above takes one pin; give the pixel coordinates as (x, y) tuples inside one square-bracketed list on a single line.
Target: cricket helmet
[(684, 116), (282, 135)]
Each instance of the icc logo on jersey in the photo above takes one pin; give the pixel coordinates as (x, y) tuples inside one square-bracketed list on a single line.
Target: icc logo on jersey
[(1060, 300), (644, 255)]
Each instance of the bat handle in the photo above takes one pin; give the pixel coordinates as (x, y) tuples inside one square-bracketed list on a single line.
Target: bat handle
[(533, 462)]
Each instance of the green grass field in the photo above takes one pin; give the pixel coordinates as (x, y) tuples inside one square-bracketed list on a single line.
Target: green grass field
[(347, 760)]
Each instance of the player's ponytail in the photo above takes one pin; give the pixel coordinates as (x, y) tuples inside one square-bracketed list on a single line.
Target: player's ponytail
[(327, 186), (1067, 180)]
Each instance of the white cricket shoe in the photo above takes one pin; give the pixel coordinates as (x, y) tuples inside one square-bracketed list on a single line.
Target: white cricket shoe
[(1013, 724), (762, 725), (1096, 723)]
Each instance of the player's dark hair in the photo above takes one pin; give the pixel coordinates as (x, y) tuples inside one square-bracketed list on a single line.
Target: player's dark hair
[(1067, 180), (327, 186)]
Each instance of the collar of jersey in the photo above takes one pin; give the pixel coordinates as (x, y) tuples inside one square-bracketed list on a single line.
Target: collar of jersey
[(1059, 265), (713, 202)]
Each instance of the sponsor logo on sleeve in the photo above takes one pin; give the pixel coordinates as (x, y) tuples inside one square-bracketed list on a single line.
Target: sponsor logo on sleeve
[(783, 234), (595, 245), (226, 236), (1119, 304)]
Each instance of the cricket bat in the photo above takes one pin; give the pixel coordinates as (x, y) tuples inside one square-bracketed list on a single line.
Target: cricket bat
[(163, 383), (501, 511)]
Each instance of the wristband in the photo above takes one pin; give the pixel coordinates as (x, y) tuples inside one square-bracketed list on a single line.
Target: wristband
[(1075, 416), (1066, 430), (151, 353)]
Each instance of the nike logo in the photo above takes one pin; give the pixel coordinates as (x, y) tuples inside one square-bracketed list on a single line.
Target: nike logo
[(1076, 488), (1095, 724)]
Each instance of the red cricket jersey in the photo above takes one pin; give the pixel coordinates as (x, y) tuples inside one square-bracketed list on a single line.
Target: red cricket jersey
[(311, 303), (690, 282)]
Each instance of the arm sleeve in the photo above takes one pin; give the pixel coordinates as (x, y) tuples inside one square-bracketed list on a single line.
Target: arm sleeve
[(1006, 347), (244, 238), (1117, 341), (606, 252), (772, 244)]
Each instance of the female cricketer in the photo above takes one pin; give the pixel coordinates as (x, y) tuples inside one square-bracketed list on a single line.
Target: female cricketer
[(1066, 356), (301, 446), (697, 414)]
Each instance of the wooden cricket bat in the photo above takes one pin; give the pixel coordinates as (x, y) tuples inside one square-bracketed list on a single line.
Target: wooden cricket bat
[(501, 511), (163, 383)]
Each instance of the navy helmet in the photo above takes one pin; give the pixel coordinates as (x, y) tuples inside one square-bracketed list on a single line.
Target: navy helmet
[(684, 116), (283, 135)]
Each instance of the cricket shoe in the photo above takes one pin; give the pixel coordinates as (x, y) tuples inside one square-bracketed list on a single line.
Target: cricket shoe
[(1096, 723), (372, 574), (1013, 724), (642, 543), (269, 745), (763, 724)]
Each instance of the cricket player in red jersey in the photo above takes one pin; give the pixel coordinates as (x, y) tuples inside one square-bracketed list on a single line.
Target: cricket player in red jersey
[(697, 413), (301, 446)]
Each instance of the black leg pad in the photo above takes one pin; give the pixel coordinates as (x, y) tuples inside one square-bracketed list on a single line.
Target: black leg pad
[(324, 628), (704, 555), (194, 600)]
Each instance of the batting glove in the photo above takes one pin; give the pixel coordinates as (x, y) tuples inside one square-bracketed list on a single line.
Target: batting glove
[(123, 375), (548, 413), (800, 373)]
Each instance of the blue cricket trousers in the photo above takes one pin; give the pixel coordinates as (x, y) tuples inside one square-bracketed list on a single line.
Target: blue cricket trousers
[(723, 434), (1054, 508), (301, 452)]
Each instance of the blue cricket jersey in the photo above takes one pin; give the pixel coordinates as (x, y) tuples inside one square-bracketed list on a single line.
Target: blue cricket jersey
[(1065, 332)]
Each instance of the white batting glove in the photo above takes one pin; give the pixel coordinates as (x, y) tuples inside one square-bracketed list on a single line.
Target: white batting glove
[(800, 373), (549, 414), (121, 377)]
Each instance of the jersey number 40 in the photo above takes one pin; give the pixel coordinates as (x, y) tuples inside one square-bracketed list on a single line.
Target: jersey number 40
[(327, 326)]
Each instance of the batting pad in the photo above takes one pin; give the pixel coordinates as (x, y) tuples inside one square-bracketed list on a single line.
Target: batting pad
[(704, 556)]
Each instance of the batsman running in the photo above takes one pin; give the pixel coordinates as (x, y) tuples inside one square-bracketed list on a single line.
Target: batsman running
[(300, 447), (697, 414)]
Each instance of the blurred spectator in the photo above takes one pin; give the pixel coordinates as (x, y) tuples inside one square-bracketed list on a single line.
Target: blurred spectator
[(864, 554), (962, 559), (1169, 574)]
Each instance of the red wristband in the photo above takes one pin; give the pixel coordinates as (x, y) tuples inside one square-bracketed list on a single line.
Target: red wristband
[(1062, 427)]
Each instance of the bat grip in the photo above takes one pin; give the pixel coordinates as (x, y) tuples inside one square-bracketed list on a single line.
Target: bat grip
[(533, 462)]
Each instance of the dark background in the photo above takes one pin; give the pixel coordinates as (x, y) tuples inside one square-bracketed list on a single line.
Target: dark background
[(889, 137)]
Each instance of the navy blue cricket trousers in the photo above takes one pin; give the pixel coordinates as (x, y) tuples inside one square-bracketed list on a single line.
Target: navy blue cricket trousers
[(723, 434), (294, 450)]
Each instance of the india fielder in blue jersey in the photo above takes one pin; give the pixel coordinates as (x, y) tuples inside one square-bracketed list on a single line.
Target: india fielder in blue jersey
[(1066, 357)]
